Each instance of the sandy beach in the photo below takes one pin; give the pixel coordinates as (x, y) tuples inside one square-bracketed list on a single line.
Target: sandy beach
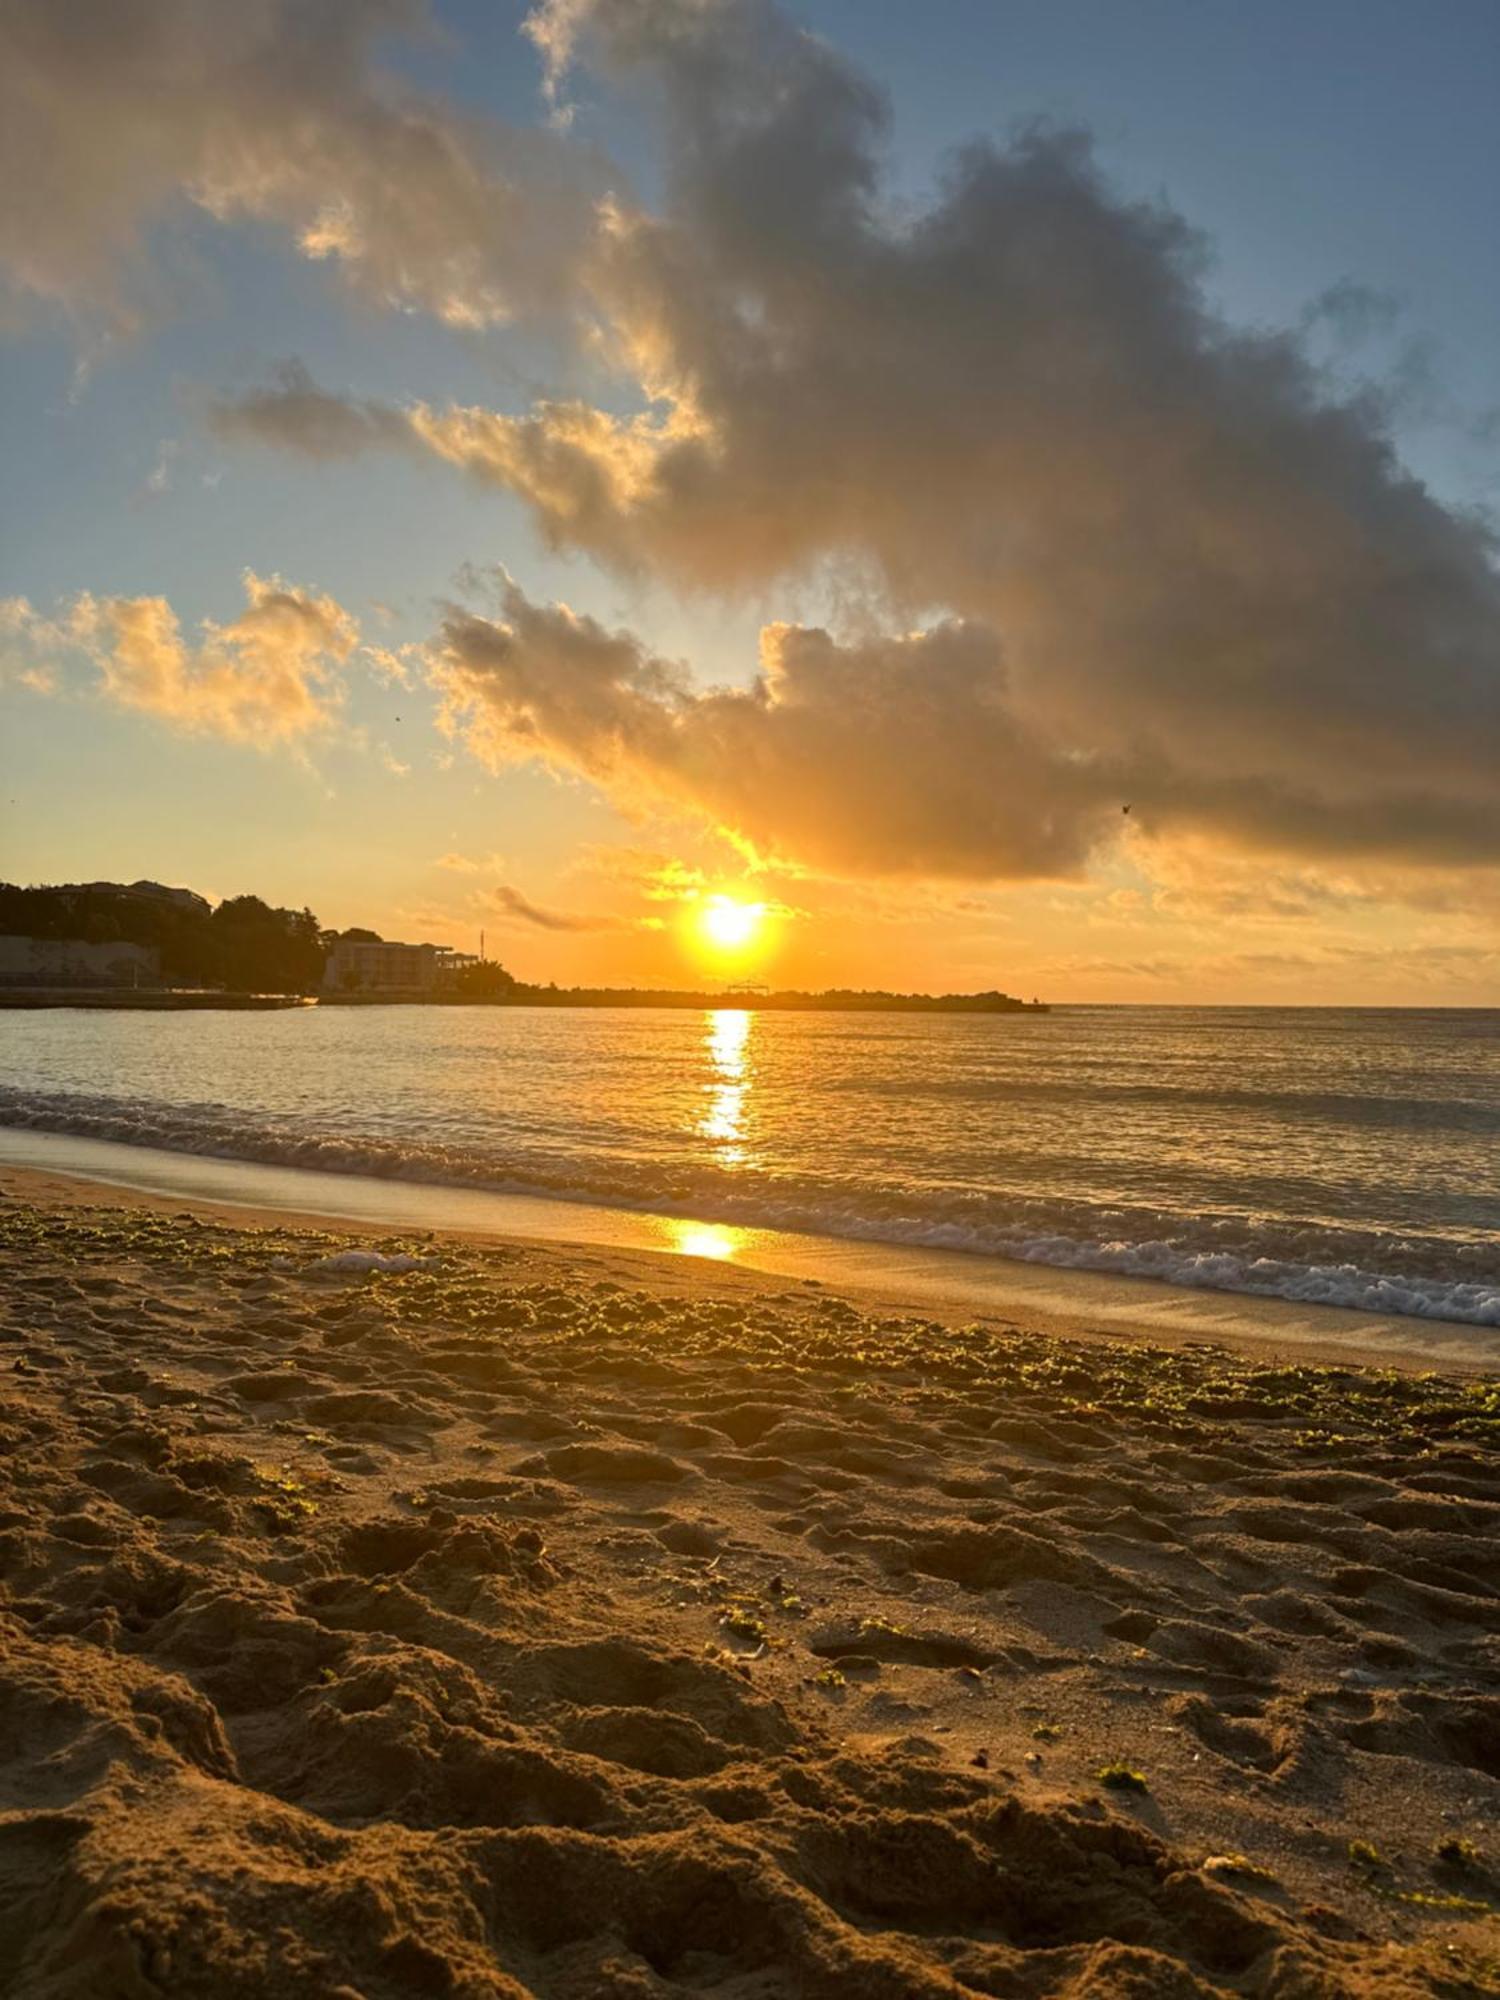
[(396, 1615)]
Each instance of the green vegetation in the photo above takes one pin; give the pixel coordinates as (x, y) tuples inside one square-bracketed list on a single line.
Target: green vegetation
[(744, 1622), (1121, 1777), (283, 1501), (1453, 1853), (1456, 1852), (1445, 1905), (1363, 1854), (485, 981), (1241, 1867), (1099, 1388), (244, 945)]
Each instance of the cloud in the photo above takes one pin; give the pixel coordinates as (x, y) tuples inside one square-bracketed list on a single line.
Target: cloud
[(1208, 885), (1166, 554), (468, 864), (896, 756), (509, 902), (269, 677), (116, 122), (880, 756), (159, 479), (29, 643), (1168, 558), (292, 412), (653, 873), (1358, 969), (1353, 314)]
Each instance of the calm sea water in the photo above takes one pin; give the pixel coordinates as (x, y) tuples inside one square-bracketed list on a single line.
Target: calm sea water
[(1351, 1157)]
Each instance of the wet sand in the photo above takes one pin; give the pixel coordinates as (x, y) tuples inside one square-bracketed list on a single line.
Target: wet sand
[(1073, 1303), (428, 1615)]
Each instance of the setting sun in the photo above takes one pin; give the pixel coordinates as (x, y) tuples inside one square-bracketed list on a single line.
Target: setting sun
[(730, 925)]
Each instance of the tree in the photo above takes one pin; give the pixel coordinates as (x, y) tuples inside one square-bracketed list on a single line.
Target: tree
[(245, 943), (484, 981), (259, 949)]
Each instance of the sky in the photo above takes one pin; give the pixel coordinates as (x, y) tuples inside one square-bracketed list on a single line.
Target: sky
[(1006, 487)]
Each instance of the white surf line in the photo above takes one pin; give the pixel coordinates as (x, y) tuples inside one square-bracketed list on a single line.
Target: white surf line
[(1123, 1306)]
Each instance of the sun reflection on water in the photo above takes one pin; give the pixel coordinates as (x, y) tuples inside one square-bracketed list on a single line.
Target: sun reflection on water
[(727, 1043), (704, 1239)]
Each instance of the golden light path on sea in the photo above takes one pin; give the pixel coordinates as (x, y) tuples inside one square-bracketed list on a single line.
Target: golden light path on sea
[(727, 1035), (727, 1042)]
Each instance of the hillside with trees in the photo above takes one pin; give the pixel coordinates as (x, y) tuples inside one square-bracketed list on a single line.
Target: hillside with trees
[(245, 945)]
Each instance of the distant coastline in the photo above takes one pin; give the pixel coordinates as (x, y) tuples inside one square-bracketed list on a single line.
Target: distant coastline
[(167, 1000), (152, 999), (147, 946), (748, 1000)]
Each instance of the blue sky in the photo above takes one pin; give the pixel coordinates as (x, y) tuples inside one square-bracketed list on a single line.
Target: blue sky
[(1315, 146)]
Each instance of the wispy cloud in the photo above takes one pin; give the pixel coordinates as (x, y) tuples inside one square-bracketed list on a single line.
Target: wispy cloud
[(291, 412), (507, 901), (468, 864), (159, 479)]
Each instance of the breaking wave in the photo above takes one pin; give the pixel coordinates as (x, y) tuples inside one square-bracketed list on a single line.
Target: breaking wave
[(1430, 1276)]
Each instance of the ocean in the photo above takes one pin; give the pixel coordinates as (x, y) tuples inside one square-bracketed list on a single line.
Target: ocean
[(1346, 1157)]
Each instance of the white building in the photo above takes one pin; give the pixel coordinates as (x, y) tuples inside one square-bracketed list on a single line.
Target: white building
[(27, 961), (354, 965)]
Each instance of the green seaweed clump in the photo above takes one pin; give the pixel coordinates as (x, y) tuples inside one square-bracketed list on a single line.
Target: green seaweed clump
[(1119, 1776)]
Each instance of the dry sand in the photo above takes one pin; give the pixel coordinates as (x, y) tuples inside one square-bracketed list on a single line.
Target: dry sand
[(519, 1620)]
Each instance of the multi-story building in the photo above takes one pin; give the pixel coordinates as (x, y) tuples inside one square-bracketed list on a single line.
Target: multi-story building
[(359, 965)]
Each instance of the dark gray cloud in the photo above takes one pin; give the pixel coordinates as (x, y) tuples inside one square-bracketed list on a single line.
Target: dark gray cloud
[(898, 756), (1353, 314), (509, 902), (293, 414), (1172, 561), (884, 756)]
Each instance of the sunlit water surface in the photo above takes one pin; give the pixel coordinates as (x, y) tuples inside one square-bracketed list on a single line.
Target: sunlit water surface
[(1348, 1157)]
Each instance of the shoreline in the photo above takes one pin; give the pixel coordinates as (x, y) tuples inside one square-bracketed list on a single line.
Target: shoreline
[(169, 999), (148, 1000), (948, 1283)]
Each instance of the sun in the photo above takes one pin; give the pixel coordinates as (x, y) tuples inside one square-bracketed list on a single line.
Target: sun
[(728, 924)]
